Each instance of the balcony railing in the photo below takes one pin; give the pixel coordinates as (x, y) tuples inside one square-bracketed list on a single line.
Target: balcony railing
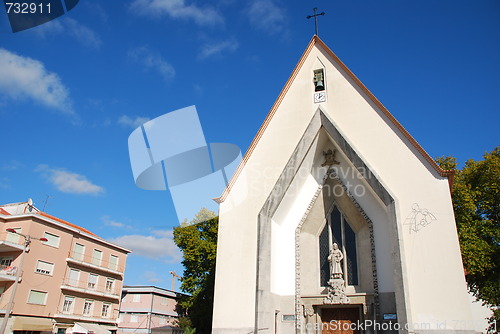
[(7, 273), (10, 242), (89, 261), (103, 290), (94, 316)]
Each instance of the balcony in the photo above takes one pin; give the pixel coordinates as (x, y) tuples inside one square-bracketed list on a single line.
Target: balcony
[(97, 264), (99, 290), (79, 316), (9, 242), (8, 273)]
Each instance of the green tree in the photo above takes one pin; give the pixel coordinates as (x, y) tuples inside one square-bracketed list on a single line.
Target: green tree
[(198, 243), (476, 202)]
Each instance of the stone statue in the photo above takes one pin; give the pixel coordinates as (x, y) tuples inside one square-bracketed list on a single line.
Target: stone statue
[(336, 284), (335, 259)]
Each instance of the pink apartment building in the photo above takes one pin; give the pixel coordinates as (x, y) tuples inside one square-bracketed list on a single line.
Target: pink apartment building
[(148, 309), (69, 282)]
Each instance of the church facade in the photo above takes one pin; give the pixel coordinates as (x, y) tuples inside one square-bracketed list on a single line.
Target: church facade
[(337, 220)]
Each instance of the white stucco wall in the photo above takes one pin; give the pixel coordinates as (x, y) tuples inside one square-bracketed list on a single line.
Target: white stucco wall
[(434, 284)]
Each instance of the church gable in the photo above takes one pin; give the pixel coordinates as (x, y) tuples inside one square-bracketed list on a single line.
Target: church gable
[(342, 92), (313, 223)]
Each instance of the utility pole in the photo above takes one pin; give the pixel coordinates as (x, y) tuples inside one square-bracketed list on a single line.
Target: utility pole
[(26, 249), (174, 275)]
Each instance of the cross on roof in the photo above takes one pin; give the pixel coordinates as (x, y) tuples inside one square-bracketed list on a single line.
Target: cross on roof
[(315, 18)]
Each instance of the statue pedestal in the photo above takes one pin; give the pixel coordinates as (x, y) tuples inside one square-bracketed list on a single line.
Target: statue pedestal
[(336, 291)]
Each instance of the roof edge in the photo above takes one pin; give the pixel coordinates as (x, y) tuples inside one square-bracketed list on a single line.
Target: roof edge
[(449, 174), (69, 226), (444, 173), (267, 120)]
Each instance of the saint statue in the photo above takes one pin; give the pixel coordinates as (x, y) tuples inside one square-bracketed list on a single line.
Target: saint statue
[(336, 284), (335, 259)]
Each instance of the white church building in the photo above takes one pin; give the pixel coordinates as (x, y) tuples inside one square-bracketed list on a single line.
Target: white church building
[(337, 220)]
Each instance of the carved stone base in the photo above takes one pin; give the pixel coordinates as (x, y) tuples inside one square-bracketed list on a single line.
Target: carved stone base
[(336, 292)]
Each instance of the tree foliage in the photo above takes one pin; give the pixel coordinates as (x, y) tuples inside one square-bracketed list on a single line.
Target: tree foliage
[(198, 243), (476, 202)]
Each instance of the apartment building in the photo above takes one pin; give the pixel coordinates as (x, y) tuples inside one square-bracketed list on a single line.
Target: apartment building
[(69, 279), (148, 309)]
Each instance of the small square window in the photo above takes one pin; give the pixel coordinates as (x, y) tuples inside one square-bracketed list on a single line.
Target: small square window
[(113, 262), (68, 304), (45, 268), (52, 239), (105, 313), (37, 297), (92, 281), (97, 257), (109, 284), (88, 307), (78, 252)]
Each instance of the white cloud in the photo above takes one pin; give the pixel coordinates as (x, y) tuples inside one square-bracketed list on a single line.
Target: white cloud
[(82, 33), (152, 277), (266, 16), (23, 77), (177, 9), (216, 49), (71, 27), (11, 165), (5, 183), (69, 182), (151, 60), (132, 122), (160, 245), (113, 223)]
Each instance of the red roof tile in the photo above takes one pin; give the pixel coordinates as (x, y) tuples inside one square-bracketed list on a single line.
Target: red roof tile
[(3, 212), (66, 223)]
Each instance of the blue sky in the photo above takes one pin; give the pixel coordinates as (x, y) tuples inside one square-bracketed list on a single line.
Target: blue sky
[(73, 90)]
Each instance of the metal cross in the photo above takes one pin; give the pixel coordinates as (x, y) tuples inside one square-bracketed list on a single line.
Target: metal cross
[(315, 18)]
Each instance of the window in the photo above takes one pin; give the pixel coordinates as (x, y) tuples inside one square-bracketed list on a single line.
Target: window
[(134, 318), (319, 80), (105, 310), (78, 252), (74, 277), (37, 297), (88, 307), (113, 262), (68, 304), (96, 257), (45, 268), (52, 240), (13, 237), (109, 284), (136, 298), (337, 230), (5, 262), (92, 281)]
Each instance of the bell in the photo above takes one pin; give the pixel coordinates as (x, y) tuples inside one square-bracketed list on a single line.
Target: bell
[(319, 86)]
